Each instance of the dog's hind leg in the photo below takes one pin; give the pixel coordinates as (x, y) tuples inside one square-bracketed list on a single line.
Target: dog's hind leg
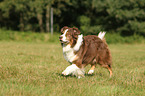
[(109, 68), (91, 71), (93, 65)]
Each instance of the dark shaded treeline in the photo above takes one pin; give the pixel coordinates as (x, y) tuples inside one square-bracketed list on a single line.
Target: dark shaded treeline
[(126, 17)]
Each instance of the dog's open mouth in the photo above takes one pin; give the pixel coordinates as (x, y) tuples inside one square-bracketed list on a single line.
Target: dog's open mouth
[(65, 42)]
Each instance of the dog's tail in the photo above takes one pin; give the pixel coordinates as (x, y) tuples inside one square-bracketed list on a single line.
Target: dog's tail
[(101, 35)]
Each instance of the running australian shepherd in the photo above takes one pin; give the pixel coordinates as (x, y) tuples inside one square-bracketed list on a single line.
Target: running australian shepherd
[(80, 51)]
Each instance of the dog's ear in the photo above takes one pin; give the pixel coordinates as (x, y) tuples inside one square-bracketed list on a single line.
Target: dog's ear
[(62, 29), (76, 31)]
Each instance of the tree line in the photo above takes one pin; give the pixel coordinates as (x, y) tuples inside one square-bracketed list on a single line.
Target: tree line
[(126, 17)]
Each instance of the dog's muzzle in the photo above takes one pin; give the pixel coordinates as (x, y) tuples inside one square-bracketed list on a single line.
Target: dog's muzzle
[(61, 40)]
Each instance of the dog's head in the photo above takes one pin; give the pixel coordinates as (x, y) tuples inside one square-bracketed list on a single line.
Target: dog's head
[(69, 35)]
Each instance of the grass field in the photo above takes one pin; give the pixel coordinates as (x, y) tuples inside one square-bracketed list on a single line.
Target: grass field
[(34, 69)]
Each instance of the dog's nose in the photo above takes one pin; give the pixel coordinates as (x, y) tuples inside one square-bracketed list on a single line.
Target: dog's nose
[(60, 37)]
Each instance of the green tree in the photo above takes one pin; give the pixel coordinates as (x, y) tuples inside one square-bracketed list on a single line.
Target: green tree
[(37, 6), (126, 17), (16, 9)]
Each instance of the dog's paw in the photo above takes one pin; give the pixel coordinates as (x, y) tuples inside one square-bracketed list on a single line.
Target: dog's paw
[(91, 72), (65, 73)]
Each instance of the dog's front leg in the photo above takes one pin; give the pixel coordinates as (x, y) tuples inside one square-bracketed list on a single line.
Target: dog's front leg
[(69, 70), (74, 70)]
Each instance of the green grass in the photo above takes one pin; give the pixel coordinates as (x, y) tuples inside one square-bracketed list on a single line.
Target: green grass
[(34, 69)]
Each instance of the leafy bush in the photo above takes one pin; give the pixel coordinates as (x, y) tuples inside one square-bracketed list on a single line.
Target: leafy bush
[(117, 38), (114, 38), (85, 26), (27, 36)]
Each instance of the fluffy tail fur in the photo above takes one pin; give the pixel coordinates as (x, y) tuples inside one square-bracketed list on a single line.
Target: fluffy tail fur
[(101, 35)]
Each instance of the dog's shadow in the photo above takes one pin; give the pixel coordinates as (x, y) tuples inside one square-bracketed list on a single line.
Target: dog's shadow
[(59, 74), (86, 75)]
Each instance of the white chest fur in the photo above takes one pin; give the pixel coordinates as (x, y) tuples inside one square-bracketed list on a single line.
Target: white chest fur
[(68, 53)]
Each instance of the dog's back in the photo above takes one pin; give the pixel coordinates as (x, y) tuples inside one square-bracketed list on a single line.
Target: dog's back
[(97, 49)]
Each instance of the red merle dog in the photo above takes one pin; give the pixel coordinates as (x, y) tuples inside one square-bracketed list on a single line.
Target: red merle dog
[(80, 51)]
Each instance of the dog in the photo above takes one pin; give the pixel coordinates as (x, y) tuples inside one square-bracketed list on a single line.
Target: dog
[(80, 51)]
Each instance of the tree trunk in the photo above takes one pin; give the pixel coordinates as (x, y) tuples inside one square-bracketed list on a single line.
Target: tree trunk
[(21, 22), (51, 21), (39, 17), (47, 17)]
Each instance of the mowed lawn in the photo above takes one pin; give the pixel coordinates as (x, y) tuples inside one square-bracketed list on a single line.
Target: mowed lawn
[(34, 69)]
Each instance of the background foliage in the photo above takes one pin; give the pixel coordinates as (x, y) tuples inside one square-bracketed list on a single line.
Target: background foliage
[(90, 16)]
